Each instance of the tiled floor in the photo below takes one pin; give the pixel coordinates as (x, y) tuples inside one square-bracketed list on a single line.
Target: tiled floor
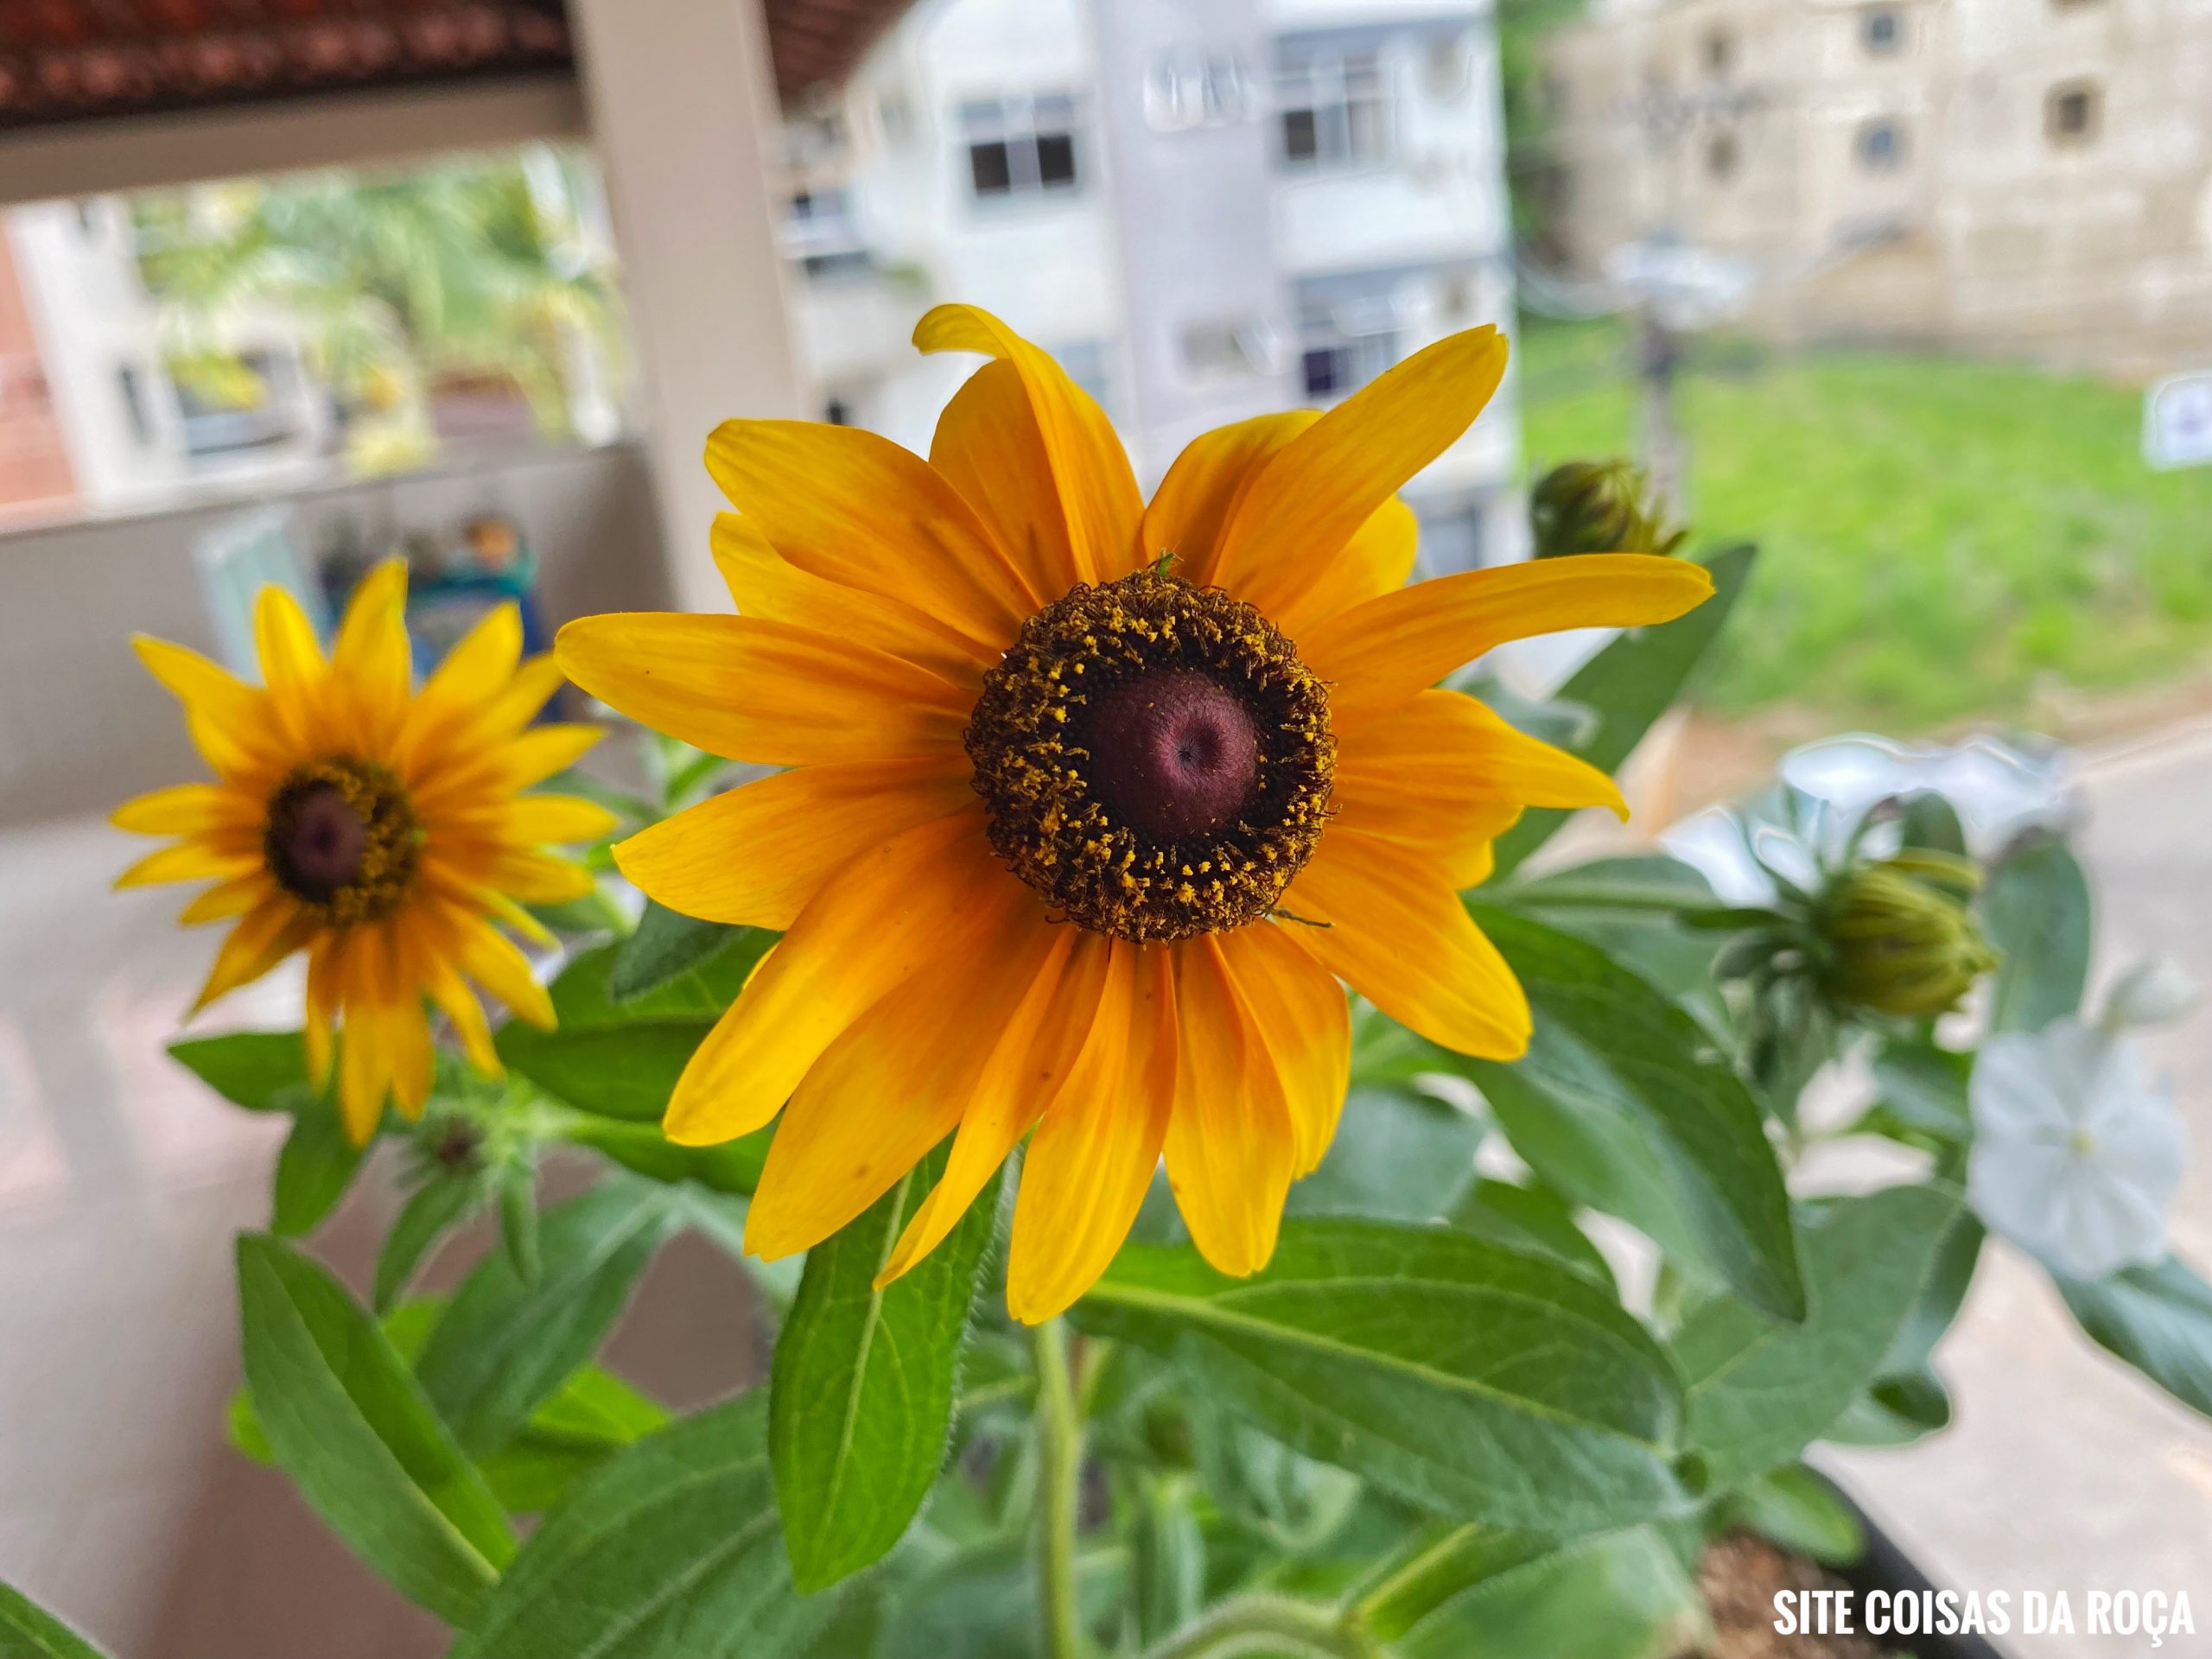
[(121, 1182)]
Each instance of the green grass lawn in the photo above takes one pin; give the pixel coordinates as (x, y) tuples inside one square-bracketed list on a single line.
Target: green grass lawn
[(1939, 537)]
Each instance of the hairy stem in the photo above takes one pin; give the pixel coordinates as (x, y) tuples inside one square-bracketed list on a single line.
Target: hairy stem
[(1259, 1623), (1060, 1437)]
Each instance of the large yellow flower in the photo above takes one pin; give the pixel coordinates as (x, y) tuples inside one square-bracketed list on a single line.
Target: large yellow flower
[(1091, 802), (378, 829)]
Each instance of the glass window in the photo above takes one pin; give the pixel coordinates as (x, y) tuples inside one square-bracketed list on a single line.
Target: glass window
[(1720, 156), (1335, 112), (1338, 355), (2073, 112), (1882, 30), (1881, 146), (1187, 89), (1020, 145)]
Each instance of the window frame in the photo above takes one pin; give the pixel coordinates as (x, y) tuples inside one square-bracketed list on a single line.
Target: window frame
[(1346, 103), (1018, 126)]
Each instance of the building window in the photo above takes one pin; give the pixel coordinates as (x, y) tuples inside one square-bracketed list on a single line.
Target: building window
[(1721, 156), (821, 233), (837, 412), (1019, 146), (1339, 354), (2073, 113), (1185, 91), (1334, 111), (1236, 348), (1881, 146), (1719, 52), (1882, 30)]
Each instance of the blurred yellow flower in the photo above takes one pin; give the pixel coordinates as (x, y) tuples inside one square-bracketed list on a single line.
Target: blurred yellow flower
[(378, 829), (1092, 803)]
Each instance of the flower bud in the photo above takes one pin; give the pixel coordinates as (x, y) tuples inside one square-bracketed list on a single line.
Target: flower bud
[(1599, 506), (1900, 939), (2153, 993)]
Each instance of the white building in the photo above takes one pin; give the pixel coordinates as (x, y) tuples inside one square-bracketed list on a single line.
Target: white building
[(1207, 209)]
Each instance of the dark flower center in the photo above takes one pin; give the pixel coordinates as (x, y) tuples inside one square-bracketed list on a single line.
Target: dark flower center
[(342, 839), (1154, 758), (1174, 753)]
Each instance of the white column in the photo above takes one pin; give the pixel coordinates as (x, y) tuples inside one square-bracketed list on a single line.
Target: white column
[(683, 115)]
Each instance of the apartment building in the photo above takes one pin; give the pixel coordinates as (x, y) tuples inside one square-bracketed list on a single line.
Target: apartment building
[(1207, 209), (2021, 177)]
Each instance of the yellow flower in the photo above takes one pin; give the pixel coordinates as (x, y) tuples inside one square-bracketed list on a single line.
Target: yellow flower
[(1092, 803), (377, 829)]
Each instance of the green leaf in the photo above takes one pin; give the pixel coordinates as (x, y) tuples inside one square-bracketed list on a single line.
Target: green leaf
[(1793, 1507), (504, 1346), (1623, 1103), (2036, 910), (2158, 1319), (1761, 1391), (1490, 1385), (346, 1421), (30, 1632), (1628, 685), (1400, 1155), (261, 1071), (1480, 1593), (316, 1165), (733, 1166), (666, 943), (1289, 1501), (669, 1550), (595, 1414), (861, 1397), (622, 1059), (1645, 881), (1924, 1088), (518, 1226), (434, 1210), (1529, 1219)]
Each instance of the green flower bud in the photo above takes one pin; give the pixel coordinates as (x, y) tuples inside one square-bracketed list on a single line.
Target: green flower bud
[(1900, 939), (1599, 506)]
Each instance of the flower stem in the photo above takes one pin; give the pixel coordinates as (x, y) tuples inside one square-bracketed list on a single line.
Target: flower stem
[(1258, 1623), (1060, 1435)]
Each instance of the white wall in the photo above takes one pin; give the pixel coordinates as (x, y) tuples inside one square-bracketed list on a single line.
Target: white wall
[(82, 726)]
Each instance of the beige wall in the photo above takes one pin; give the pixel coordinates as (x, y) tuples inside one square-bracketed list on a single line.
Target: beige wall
[(82, 726), (1986, 235)]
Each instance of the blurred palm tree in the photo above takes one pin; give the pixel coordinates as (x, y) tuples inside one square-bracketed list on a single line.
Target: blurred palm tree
[(474, 272)]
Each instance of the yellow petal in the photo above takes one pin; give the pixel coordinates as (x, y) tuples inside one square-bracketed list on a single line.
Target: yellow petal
[(265, 935), (231, 898), (1379, 653), (1212, 477), (185, 810), (371, 655), (758, 853), (473, 672), (1192, 506), (364, 1074), (1091, 1160), (1086, 526), (1391, 925), (763, 582), (495, 965), (230, 721), (874, 924), (892, 1086), (764, 691), (451, 993), (564, 819), (1317, 491), (1230, 1148), (187, 860), (1299, 1014), (291, 661), (856, 509), (1036, 1051)]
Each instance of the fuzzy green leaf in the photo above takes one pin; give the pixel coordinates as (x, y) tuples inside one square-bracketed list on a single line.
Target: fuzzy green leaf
[(317, 1164), (1623, 1103), (861, 1399), (503, 1344), (2036, 911), (343, 1417), (669, 1550), (2158, 1319), (1760, 1391), (261, 1071), (1487, 1384), (30, 1632)]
